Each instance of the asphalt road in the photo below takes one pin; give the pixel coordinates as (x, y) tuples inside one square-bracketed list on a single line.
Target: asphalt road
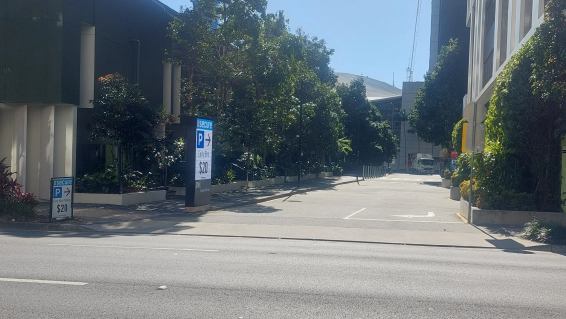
[(92, 276)]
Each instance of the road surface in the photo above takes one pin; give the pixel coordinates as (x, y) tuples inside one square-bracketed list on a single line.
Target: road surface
[(94, 275)]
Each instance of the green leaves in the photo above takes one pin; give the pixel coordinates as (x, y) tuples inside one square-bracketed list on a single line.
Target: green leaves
[(122, 116), (438, 104)]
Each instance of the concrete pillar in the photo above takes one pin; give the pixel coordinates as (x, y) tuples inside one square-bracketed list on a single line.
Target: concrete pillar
[(87, 77), (167, 69), (47, 148), (65, 140), (176, 90), (33, 150), (19, 144), (6, 132)]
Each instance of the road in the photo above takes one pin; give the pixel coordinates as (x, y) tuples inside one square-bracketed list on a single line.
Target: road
[(93, 275)]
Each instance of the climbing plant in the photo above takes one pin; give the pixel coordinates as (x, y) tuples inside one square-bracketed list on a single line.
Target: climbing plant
[(526, 120)]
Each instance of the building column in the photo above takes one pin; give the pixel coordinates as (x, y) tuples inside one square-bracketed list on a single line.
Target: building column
[(87, 66), (167, 70), (47, 148), (176, 91), (19, 144)]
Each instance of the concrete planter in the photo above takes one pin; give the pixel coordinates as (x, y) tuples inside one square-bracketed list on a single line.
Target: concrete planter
[(223, 188), (279, 180), (262, 183), (446, 183), (324, 174), (120, 199), (487, 217), (179, 191), (291, 179), (455, 193)]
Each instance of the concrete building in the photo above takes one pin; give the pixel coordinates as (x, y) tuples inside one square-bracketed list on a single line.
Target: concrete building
[(446, 23), (51, 54), (498, 28)]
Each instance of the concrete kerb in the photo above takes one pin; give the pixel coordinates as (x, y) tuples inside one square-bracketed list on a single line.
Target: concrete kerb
[(44, 226)]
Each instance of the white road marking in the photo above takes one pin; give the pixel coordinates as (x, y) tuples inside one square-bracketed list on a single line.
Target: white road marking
[(126, 247), (37, 281), (404, 220), (349, 216), (430, 214)]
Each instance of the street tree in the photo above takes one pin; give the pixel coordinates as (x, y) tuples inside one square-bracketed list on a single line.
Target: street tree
[(438, 104)]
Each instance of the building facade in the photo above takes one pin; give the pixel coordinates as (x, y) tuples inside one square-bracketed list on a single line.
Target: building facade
[(51, 53), (498, 29)]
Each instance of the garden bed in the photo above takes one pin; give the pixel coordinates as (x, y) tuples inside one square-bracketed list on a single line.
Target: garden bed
[(486, 217)]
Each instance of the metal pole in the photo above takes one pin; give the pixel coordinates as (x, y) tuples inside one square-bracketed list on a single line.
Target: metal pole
[(472, 165), (300, 144)]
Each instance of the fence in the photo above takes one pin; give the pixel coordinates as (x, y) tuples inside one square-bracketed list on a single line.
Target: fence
[(373, 171)]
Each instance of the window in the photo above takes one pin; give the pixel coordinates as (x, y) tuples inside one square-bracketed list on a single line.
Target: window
[(527, 16), (488, 41), (503, 31)]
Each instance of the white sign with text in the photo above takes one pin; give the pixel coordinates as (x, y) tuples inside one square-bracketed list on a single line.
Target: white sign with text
[(203, 162)]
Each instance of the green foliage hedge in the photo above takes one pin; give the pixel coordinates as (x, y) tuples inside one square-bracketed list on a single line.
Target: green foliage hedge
[(457, 135), (525, 123)]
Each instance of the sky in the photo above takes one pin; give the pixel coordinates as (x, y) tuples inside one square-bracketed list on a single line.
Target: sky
[(373, 38)]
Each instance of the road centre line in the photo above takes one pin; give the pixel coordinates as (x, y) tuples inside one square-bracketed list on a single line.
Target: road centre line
[(37, 281), (126, 247), (349, 216)]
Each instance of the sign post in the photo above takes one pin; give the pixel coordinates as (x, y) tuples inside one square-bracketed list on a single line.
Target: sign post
[(61, 198), (199, 164)]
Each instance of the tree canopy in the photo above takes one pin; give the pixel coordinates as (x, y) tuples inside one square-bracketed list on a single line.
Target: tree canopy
[(438, 104)]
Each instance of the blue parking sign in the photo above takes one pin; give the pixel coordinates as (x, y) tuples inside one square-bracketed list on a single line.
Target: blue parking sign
[(200, 139), (453, 164), (57, 192)]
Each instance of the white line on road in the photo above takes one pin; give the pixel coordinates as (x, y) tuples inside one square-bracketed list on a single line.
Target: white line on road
[(430, 214), (37, 281), (405, 220), (126, 247), (348, 217)]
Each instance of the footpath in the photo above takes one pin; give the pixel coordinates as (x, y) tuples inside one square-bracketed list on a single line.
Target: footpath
[(169, 217)]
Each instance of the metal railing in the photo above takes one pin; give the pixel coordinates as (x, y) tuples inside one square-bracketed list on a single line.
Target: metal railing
[(370, 172)]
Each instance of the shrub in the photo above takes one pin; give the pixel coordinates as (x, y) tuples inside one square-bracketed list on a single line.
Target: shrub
[(13, 202), (447, 174), (545, 232)]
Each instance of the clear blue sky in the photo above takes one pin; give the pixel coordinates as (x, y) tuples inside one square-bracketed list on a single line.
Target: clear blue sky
[(370, 37)]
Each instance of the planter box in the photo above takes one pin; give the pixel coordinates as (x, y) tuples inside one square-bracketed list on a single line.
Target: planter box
[(120, 199), (487, 217), (262, 183), (279, 180), (179, 191), (222, 188), (455, 193), (325, 174), (446, 183), (292, 179)]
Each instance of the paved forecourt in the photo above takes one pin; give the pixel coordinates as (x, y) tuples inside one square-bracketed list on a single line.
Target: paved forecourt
[(413, 202)]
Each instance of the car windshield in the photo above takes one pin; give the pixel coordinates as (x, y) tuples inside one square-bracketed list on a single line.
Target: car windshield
[(428, 162)]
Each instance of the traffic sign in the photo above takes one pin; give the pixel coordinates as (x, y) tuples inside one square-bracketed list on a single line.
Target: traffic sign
[(453, 164), (61, 198), (453, 154), (203, 161)]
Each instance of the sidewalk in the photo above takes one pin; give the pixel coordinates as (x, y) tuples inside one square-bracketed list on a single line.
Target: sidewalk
[(168, 217)]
